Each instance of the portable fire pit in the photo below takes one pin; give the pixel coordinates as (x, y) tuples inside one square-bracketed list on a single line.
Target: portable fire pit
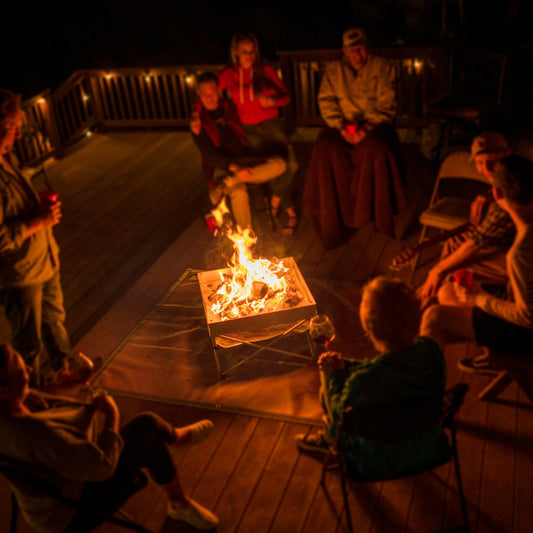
[(276, 318)]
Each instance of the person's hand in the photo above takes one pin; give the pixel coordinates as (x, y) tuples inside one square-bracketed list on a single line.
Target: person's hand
[(49, 214), (244, 174), (330, 361), (267, 100), (429, 289), (195, 125), (467, 295), (106, 405), (477, 208)]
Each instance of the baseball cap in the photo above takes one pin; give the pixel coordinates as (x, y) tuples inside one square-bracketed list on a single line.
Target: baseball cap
[(354, 36), (489, 142)]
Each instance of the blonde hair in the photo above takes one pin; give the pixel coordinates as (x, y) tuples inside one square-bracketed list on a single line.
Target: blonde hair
[(390, 313), (239, 38)]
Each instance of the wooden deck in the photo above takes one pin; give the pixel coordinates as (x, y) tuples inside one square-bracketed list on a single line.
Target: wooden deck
[(131, 226)]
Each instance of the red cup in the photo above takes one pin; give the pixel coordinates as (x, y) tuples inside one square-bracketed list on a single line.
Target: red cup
[(464, 277), (351, 129), (211, 222), (48, 197)]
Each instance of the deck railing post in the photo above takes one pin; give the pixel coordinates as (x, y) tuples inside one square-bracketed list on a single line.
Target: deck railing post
[(92, 82), (49, 118)]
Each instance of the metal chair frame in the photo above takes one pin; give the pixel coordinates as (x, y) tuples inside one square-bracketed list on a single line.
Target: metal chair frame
[(395, 423)]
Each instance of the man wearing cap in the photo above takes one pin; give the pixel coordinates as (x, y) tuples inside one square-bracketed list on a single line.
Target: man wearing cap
[(504, 325), (483, 248), (356, 172)]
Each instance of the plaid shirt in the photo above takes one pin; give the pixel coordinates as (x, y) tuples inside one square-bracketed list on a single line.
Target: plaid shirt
[(495, 230)]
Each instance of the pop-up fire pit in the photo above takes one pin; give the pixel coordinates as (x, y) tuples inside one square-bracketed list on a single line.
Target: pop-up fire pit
[(254, 300)]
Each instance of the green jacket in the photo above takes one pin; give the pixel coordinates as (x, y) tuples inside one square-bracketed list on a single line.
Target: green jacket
[(416, 373), (23, 261)]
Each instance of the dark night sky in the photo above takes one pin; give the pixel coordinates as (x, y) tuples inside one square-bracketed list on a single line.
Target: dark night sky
[(47, 41)]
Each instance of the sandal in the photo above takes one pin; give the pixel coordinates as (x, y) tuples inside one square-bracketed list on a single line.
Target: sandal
[(312, 442), (291, 226)]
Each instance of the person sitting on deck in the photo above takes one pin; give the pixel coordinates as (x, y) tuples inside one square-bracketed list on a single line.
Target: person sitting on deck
[(501, 325), (258, 93), (483, 248), (409, 367), (81, 449), (29, 267), (356, 172), (224, 148)]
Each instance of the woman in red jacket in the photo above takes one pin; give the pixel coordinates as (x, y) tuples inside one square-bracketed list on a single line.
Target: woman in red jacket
[(257, 91)]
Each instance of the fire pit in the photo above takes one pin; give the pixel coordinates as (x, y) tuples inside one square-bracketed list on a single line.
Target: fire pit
[(272, 319), (271, 316)]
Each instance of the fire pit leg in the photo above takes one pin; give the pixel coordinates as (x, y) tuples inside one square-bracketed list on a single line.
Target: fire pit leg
[(312, 346), (217, 360)]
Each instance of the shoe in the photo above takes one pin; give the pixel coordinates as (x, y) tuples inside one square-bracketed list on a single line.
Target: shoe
[(312, 442), (76, 370), (477, 365), (199, 431), (291, 226), (193, 514)]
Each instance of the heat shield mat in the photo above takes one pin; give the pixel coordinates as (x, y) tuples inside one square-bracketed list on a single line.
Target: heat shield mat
[(168, 357)]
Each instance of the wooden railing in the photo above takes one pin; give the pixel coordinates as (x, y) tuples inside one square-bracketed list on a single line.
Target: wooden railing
[(97, 99)]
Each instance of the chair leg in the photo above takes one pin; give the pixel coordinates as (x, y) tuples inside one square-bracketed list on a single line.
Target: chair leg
[(346, 502), (496, 386), (460, 490), (14, 514)]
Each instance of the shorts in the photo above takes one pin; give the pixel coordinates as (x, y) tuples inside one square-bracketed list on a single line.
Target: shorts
[(500, 335)]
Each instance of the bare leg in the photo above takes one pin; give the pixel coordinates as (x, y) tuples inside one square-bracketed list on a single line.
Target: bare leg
[(449, 323)]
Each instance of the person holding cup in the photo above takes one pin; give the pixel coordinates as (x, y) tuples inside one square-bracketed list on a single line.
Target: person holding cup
[(504, 325), (356, 172), (29, 265)]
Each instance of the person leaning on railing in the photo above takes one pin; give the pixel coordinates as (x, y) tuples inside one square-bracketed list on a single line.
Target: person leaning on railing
[(29, 266), (356, 173), (80, 447)]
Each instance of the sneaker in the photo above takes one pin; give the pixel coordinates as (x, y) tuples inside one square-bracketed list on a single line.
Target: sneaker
[(312, 442), (199, 431), (193, 514)]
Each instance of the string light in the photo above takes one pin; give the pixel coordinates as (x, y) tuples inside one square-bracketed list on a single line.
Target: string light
[(189, 79), (147, 77), (41, 101), (108, 75), (88, 133), (85, 97)]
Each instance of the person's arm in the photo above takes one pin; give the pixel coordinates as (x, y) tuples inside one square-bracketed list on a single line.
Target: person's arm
[(328, 101), (385, 108), (14, 233), (281, 96), (430, 328), (466, 252)]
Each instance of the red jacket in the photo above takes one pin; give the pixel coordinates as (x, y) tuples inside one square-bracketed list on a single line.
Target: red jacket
[(244, 85)]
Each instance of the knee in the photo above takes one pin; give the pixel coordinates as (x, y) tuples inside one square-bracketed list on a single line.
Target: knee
[(278, 165), (146, 422), (238, 191), (446, 294)]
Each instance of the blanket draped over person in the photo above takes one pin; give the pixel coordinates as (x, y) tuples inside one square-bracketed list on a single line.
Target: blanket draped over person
[(356, 173)]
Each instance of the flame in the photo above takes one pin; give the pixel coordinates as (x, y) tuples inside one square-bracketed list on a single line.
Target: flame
[(250, 285)]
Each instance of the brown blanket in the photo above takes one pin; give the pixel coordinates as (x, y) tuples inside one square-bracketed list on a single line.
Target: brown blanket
[(351, 185)]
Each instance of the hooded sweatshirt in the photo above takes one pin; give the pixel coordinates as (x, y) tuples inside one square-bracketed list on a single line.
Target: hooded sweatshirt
[(244, 85)]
